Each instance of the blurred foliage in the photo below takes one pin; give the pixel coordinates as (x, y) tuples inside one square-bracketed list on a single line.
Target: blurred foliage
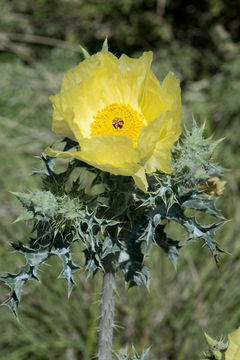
[(200, 43)]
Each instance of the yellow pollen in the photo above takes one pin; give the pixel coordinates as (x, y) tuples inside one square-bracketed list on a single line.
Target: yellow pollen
[(118, 119)]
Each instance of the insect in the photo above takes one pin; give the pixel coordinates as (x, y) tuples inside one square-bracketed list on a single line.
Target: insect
[(117, 123)]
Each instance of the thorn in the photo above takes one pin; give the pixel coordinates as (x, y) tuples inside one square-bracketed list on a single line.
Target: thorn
[(105, 45), (85, 52)]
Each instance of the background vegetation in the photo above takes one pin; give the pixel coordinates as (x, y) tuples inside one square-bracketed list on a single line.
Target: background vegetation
[(199, 41)]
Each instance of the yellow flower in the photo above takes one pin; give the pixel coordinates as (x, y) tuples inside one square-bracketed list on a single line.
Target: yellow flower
[(123, 119)]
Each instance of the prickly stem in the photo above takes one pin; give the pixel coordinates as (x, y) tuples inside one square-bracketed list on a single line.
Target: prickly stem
[(107, 316)]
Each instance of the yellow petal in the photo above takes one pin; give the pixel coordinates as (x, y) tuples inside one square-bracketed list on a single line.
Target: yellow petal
[(139, 177), (160, 159), (82, 71), (155, 142), (111, 149), (134, 74), (62, 154), (115, 154), (150, 98), (61, 119), (233, 351), (171, 94), (83, 93), (111, 153), (139, 66), (155, 99), (157, 138), (103, 87)]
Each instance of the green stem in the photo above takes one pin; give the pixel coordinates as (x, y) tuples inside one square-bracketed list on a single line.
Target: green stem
[(107, 316)]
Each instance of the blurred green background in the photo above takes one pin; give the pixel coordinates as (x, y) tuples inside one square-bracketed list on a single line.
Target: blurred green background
[(39, 42)]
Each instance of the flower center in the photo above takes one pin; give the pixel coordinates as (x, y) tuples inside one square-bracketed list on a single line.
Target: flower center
[(118, 119), (117, 123)]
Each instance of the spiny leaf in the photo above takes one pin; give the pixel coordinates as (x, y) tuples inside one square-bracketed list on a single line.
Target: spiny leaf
[(16, 282), (170, 247), (201, 202), (93, 262), (109, 247), (131, 264), (68, 266), (148, 235), (164, 190), (192, 159), (134, 355), (196, 230), (47, 165), (34, 258), (25, 216), (42, 203), (24, 198)]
